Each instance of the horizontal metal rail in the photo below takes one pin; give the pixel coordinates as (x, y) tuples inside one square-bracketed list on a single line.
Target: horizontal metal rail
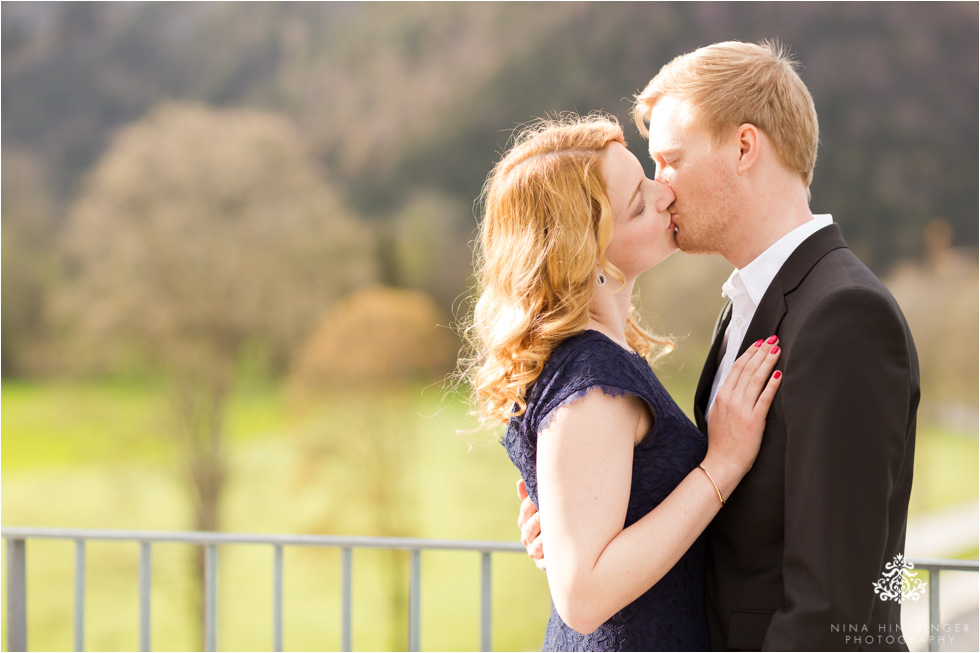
[(17, 538), (197, 537)]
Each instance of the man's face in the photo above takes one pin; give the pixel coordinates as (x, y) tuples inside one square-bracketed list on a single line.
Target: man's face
[(701, 174)]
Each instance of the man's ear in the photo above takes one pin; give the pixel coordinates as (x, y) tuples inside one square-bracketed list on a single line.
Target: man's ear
[(749, 140)]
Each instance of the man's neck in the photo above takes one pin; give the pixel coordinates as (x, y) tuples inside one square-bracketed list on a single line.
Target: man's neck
[(765, 232), (772, 201)]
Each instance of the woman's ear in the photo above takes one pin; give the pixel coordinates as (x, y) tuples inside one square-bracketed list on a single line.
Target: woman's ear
[(749, 146)]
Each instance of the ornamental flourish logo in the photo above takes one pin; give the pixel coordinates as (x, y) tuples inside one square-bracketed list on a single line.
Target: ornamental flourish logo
[(897, 583)]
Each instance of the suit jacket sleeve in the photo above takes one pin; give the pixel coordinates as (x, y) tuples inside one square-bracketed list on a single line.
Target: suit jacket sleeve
[(846, 399)]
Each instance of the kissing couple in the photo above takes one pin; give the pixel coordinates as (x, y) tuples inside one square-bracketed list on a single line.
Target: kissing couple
[(765, 524)]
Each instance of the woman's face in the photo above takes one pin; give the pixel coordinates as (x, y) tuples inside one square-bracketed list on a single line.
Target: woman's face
[(643, 234)]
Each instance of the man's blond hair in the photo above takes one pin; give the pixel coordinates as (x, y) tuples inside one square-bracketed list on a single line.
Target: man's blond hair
[(732, 83)]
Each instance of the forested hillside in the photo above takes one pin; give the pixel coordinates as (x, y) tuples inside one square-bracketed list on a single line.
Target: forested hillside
[(405, 106)]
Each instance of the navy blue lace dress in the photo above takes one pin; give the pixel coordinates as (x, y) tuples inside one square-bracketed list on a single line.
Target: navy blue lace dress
[(670, 616)]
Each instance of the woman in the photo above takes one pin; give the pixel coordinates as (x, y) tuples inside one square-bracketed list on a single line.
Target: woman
[(624, 482)]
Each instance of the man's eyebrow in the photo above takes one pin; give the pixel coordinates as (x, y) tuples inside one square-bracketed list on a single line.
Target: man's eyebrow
[(664, 151)]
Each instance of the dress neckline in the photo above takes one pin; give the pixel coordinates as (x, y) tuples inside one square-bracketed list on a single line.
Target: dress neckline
[(619, 346)]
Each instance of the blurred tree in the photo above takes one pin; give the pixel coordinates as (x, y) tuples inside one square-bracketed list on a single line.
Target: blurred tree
[(377, 339), (29, 218), (200, 232)]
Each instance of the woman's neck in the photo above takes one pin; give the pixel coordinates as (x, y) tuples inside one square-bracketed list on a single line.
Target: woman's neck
[(610, 309)]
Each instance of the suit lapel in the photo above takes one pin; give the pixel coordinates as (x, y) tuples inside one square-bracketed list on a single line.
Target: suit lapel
[(770, 311), (711, 367), (769, 315)]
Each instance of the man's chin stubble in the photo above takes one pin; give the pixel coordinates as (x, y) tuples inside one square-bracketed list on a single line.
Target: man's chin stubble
[(693, 248)]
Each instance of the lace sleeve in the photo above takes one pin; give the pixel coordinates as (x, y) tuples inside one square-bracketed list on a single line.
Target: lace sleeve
[(609, 390)]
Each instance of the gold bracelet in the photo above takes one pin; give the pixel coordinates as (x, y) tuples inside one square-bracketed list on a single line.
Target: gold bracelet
[(720, 497)]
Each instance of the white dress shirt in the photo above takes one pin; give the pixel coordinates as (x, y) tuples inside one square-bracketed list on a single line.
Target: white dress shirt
[(746, 287)]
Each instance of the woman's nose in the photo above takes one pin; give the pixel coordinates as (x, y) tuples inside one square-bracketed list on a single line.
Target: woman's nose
[(664, 196)]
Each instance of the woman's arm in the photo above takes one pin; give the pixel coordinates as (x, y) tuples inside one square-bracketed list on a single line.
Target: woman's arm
[(595, 566)]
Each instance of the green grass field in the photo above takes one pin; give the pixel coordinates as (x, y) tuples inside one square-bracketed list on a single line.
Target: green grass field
[(97, 455)]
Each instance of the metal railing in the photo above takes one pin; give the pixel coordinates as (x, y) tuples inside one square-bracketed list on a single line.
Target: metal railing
[(934, 566), (17, 577)]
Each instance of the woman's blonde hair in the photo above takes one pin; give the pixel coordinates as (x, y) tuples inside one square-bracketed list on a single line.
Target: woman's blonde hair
[(546, 224), (733, 83)]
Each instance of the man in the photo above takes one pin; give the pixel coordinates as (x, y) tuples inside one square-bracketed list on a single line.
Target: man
[(794, 556)]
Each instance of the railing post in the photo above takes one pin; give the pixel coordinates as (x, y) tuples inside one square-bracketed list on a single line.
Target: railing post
[(146, 585), (211, 598), (345, 598), (277, 599), (486, 601), (79, 595), (17, 595), (414, 599), (934, 629)]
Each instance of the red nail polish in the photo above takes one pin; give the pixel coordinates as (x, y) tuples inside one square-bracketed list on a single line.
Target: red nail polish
[(777, 374), (758, 344), (774, 350), (772, 340)]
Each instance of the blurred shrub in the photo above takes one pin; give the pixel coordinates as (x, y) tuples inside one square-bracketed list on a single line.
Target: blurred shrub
[(940, 300), (347, 381), (376, 337)]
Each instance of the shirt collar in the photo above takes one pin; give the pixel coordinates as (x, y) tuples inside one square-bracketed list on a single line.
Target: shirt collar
[(756, 276)]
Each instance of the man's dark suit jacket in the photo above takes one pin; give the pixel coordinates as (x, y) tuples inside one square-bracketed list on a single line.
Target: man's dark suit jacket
[(795, 552)]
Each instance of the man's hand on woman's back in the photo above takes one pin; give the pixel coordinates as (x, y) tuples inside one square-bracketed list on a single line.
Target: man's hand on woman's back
[(530, 524)]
